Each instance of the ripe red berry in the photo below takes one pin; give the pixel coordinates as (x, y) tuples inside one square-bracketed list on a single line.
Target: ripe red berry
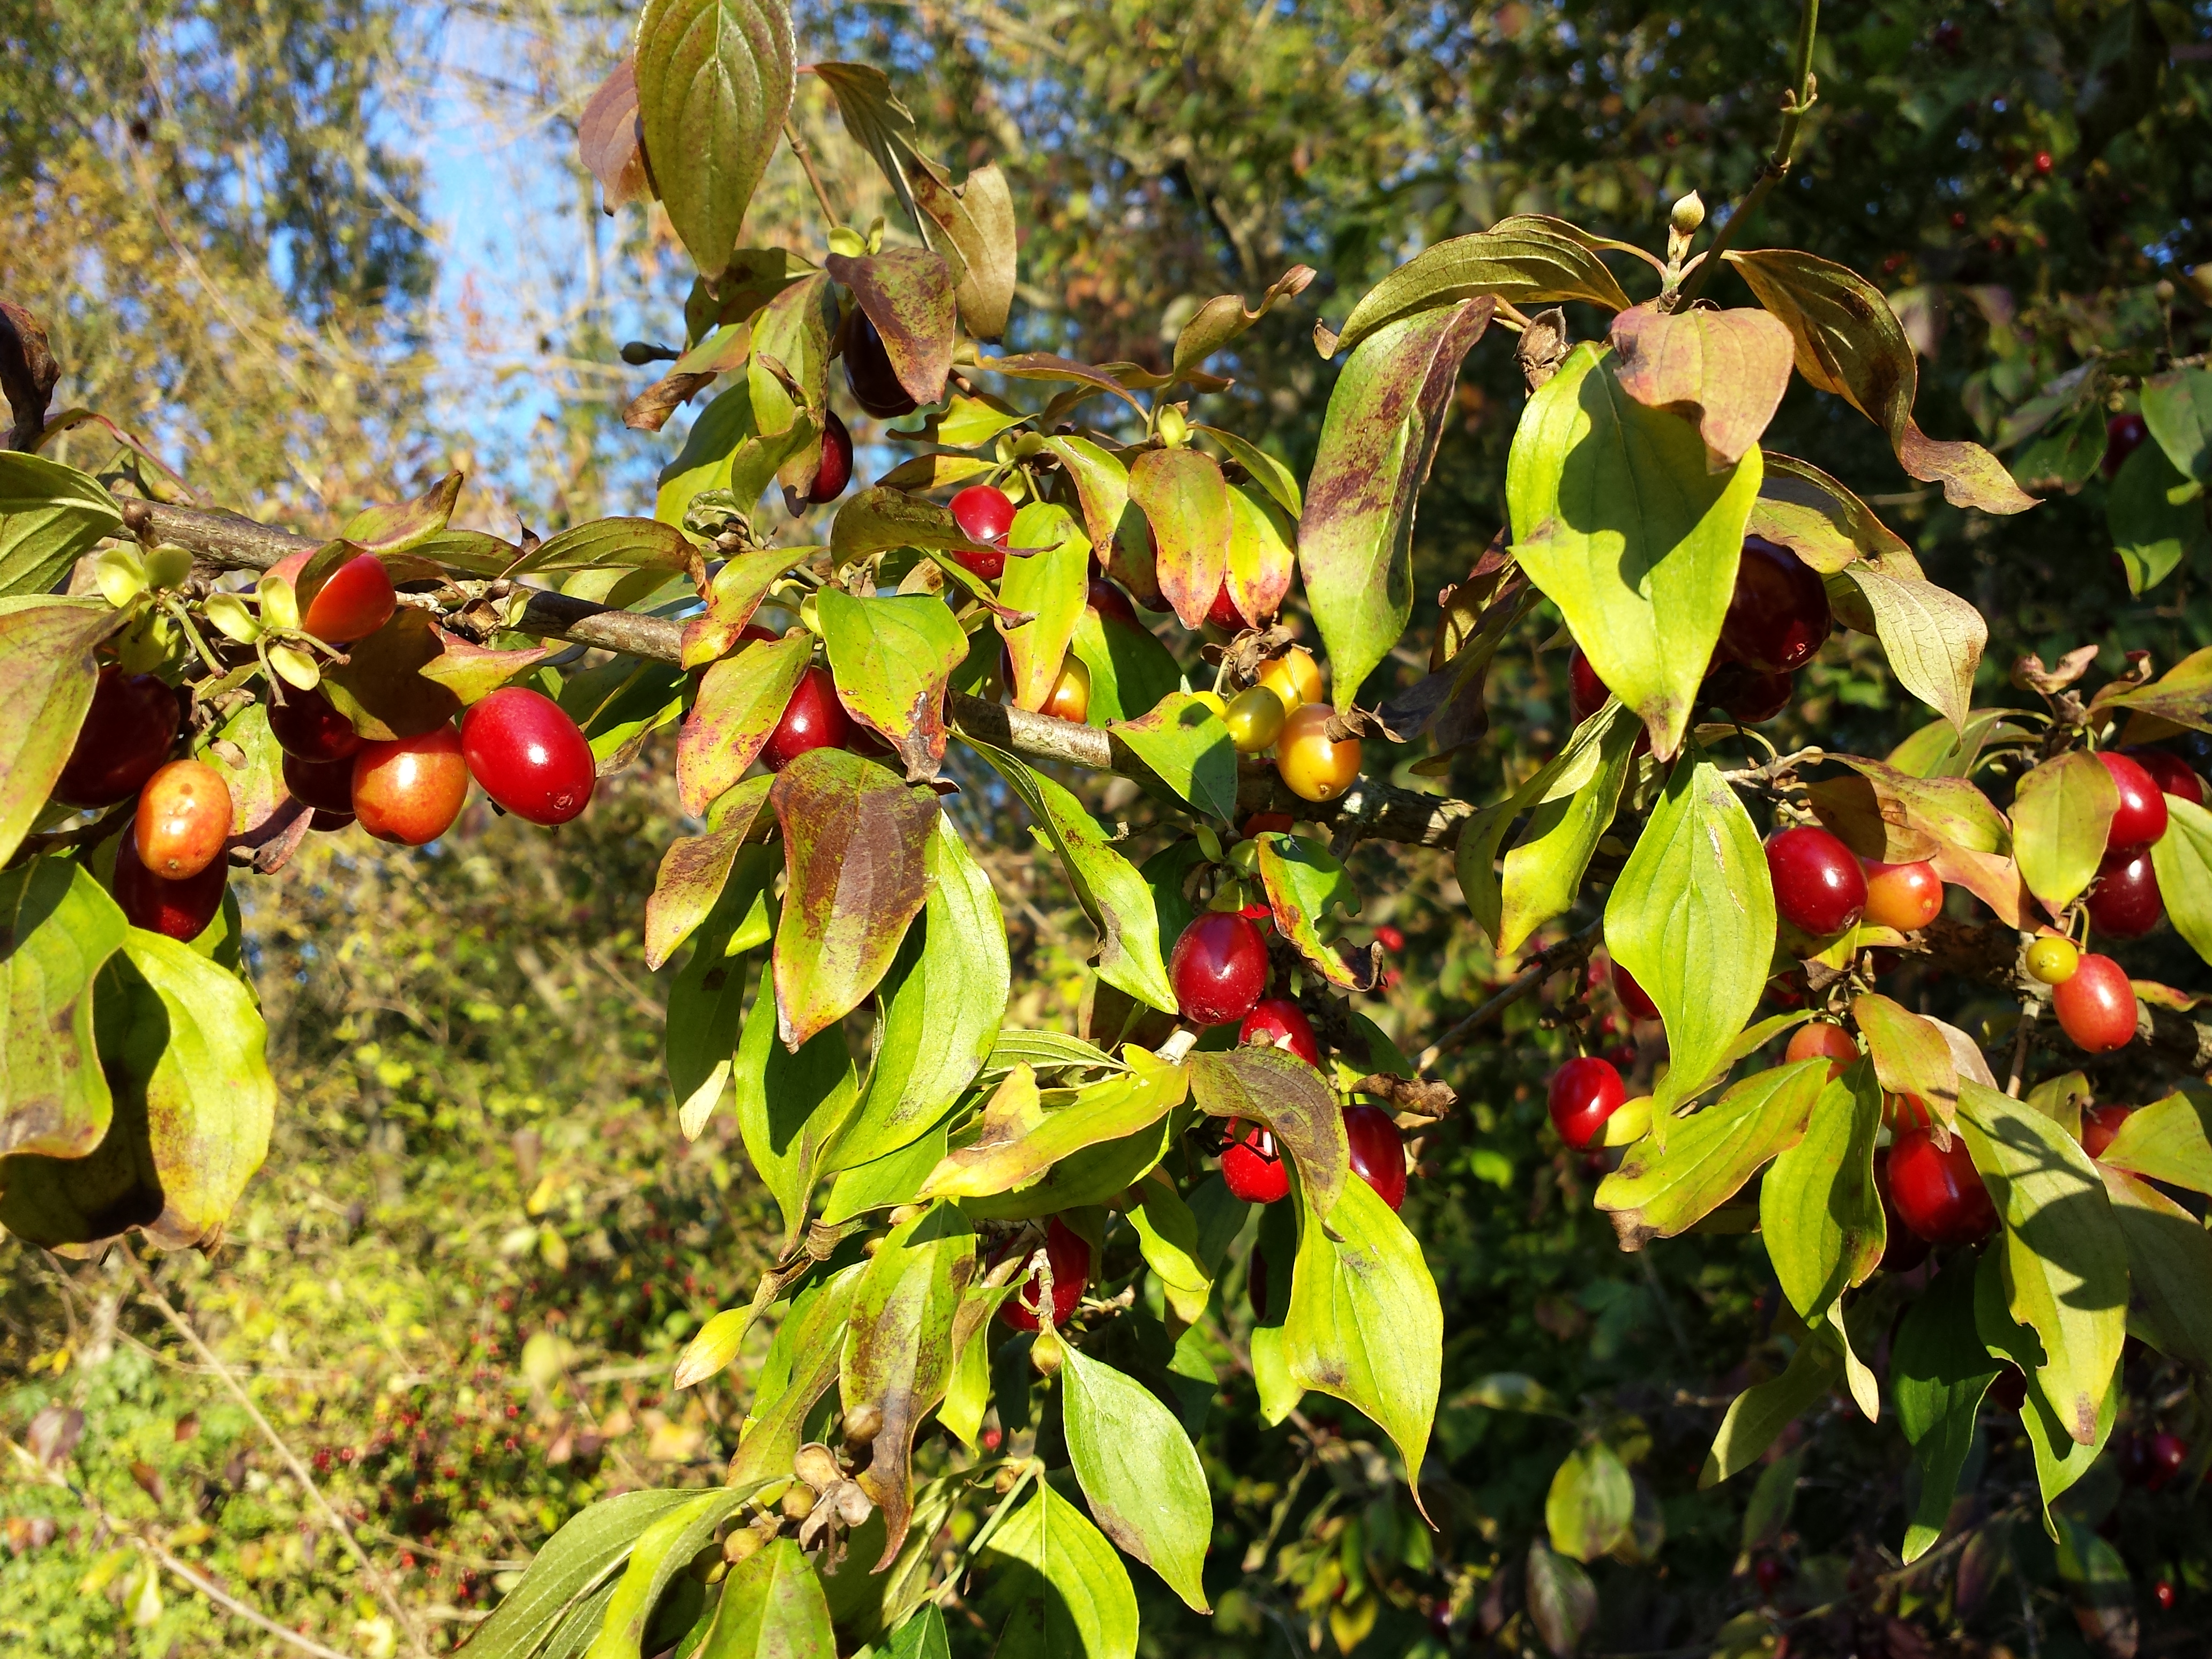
[(1747, 696), (182, 909), (2123, 435), (2139, 818), (1769, 1572), (1378, 1151), (1818, 887), (1261, 823), (813, 718), (2170, 773), (984, 514), (1224, 614), (1938, 1193), (2165, 1594), (1070, 1258), (1905, 896), (326, 786), (411, 789), (1583, 1094), (2101, 1127), (835, 469), (2008, 1389), (868, 371), (528, 754), (1281, 1023), (184, 819), (1218, 968), (2163, 1459), (2125, 902), (1389, 937), (2043, 162), (1586, 693), (128, 730), (1252, 1166), (1777, 616), (2096, 1007), (1902, 1249), (1822, 1040), (1635, 1001), (1111, 603), (305, 724), (354, 602)]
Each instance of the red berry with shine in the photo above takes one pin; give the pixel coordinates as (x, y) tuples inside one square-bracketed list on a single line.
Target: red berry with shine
[(354, 602), (1905, 896), (1583, 1094), (2101, 1127), (2170, 773), (1818, 887), (1822, 1040), (868, 371), (127, 732), (2097, 1006), (984, 512), (411, 789), (1224, 614), (1071, 1272), (1378, 1151), (2165, 1594), (2163, 1459), (1635, 1001), (2123, 435), (326, 786), (1281, 1023), (527, 755), (1938, 1193), (184, 817), (813, 718), (2125, 901), (182, 909), (1252, 1166), (835, 469), (1218, 968), (1778, 617), (305, 724), (2140, 817), (1389, 937), (1902, 1249), (1586, 693), (1111, 603)]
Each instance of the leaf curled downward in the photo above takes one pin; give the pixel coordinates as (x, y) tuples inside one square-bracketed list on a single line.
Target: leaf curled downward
[(1730, 367), (857, 840), (1304, 882), (1182, 493), (2061, 814), (1816, 517), (402, 526), (1527, 260), (1657, 1194), (1222, 319), (907, 293), (606, 139), (1018, 1140), (1910, 1054), (1268, 1086), (740, 700)]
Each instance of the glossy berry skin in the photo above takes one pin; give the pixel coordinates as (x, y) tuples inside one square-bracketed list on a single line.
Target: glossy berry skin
[(1937, 1193), (326, 786), (1778, 617), (835, 469), (1391, 939), (2053, 960), (868, 371), (1748, 697), (184, 819), (1218, 968), (1254, 719), (984, 514), (1902, 1249), (2167, 1595), (306, 725), (2141, 818), (1586, 693), (2170, 773), (180, 909), (1635, 1001), (2123, 435), (2008, 1389), (1818, 887), (1069, 697), (2096, 1007), (353, 603), (1313, 765), (1281, 1023), (1902, 1112), (1111, 603), (2101, 1127), (2163, 1459), (1224, 614), (1584, 1093), (1822, 1040), (813, 718), (528, 754), (1262, 823), (411, 789), (1071, 1272), (127, 732), (2125, 901), (1252, 1167), (1378, 1151), (1294, 676), (1905, 896)]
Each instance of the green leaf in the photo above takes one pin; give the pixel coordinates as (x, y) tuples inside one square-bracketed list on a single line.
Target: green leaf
[(1693, 917), (791, 1107), (772, 1607), (1378, 440), (1270, 1087), (1365, 1322), (1261, 555), (2156, 517), (1043, 1051), (714, 81), (694, 871), (50, 515), (1098, 1174), (922, 1637), (47, 674), (1657, 1194), (1545, 867), (1527, 260), (908, 293), (1562, 1600), (802, 1362), (725, 449), (1223, 319), (1270, 474), (57, 929), (892, 657), (2169, 1267), (793, 332), (1184, 742), (1169, 1237), (980, 240), (2060, 1461), (2182, 858), (1818, 1209), (1819, 519), (2169, 1140), (732, 596), (706, 999), (624, 543), (1590, 1503), (1106, 885), (2060, 813), (1102, 490), (2097, 1579), (2177, 407), (1728, 368), (1304, 883), (1617, 519), (1017, 1141), (1050, 586), (2183, 695), (664, 1549), (1130, 670), (405, 526), (1064, 1593), (1183, 496), (472, 673), (2065, 1261), (1933, 638), (1757, 1415), (1140, 1473), (1938, 1373), (1910, 1054), (740, 700)]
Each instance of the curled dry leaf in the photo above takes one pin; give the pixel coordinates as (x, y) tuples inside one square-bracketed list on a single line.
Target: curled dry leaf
[(607, 138), (2029, 674)]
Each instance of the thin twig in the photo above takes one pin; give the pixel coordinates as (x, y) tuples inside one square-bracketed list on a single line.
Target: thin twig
[(1549, 962), (2029, 1008), (806, 161)]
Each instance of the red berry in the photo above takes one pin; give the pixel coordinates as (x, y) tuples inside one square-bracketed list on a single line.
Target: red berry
[(2043, 162), (1252, 1166), (182, 909), (1110, 602), (1635, 1001), (305, 724), (1218, 968), (326, 786), (2101, 1127), (2164, 1591), (1747, 696), (528, 754), (1905, 896), (1769, 1572), (1818, 887), (2008, 1389), (1822, 1040), (2140, 817), (1071, 1272), (1389, 937), (1224, 614), (2123, 435), (868, 371), (2170, 773), (128, 730), (1777, 616), (1378, 1151), (1281, 1023), (1586, 693), (2096, 1007), (835, 469), (183, 819), (1902, 1249), (353, 602), (1938, 1193), (1261, 823), (411, 790), (2125, 903), (984, 514), (321, 819), (813, 718), (2163, 1459), (1584, 1093)]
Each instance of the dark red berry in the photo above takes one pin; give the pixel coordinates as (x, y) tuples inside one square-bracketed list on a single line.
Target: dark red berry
[(868, 371), (305, 724), (528, 754), (1938, 1193), (182, 909), (1252, 1166), (813, 718), (1818, 887), (1378, 1151), (1111, 603), (2123, 435), (1584, 1093), (2170, 773), (1902, 1249), (1769, 1572), (1070, 1258), (835, 469), (1279, 1022), (2125, 902), (1224, 614), (1635, 1001), (1218, 968), (2008, 1389), (1747, 696), (326, 786), (2139, 818), (2163, 1459), (2101, 1127), (1586, 693), (2165, 1594), (127, 732), (1777, 616)]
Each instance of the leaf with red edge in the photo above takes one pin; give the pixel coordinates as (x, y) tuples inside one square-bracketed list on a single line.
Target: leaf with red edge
[(1727, 369), (1185, 498), (732, 596), (740, 700), (694, 870), (607, 142), (1261, 537), (403, 527), (907, 293), (855, 839), (1303, 883), (472, 671), (1910, 1054)]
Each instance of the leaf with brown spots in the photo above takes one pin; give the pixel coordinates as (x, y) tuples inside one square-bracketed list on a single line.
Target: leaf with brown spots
[(1222, 319), (1817, 519), (740, 700), (892, 658), (907, 293), (472, 672), (1728, 369), (732, 596), (1185, 498), (1269, 1086), (693, 870)]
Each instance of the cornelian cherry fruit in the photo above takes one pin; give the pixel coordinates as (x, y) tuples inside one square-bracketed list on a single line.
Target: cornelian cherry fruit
[(2096, 1006), (182, 909), (1224, 614), (1746, 695), (1218, 968), (411, 789), (2170, 773), (1110, 603), (2163, 1459), (1818, 884), (2053, 960), (1315, 765), (1261, 823), (354, 602), (2123, 435), (835, 469), (1902, 1249), (527, 755), (1378, 1151), (1279, 1022), (1254, 719), (1900, 1112), (184, 819), (305, 724), (813, 718), (2140, 816), (1586, 692), (1822, 1040), (2125, 902), (984, 514), (1584, 1093), (868, 371), (326, 786), (1938, 1193), (1294, 676), (1905, 896), (1778, 617), (1635, 1001), (1070, 1258), (128, 729), (1252, 1166), (2101, 1127), (1069, 697)]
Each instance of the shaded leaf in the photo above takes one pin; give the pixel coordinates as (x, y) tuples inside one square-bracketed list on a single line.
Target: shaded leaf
[(1545, 867), (706, 1002), (1562, 1600), (1932, 637), (57, 929), (1130, 670), (741, 700), (382, 689), (664, 1549), (791, 1107), (2169, 1267), (907, 293), (1590, 1502), (1185, 743), (1757, 1415), (772, 1607), (47, 674), (1818, 519), (1938, 1373), (2156, 517)]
